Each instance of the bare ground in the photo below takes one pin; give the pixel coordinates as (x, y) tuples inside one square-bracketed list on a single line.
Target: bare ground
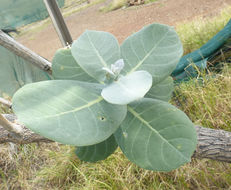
[(123, 22)]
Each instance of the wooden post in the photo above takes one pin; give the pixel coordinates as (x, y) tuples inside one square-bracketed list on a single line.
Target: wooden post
[(58, 22)]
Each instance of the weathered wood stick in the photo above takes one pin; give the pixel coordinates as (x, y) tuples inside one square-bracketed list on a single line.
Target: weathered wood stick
[(20, 50), (26, 136), (5, 102), (212, 144), (14, 129)]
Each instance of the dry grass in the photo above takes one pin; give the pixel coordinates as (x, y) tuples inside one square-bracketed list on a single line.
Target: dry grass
[(114, 5), (118, 4), (208, 101), (18, 165), (56, 167)]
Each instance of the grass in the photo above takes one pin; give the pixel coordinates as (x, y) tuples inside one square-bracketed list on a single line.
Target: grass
[(83, 5), (149, 1), (114, 5), (208, 102), (117, 4), (196, 33), (55, 167)]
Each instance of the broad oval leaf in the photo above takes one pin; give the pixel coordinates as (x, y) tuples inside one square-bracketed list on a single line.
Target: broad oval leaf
[(156, 48), (94, 50), (69, 112), (128, 88), (156, 135), (98, 151), (162, 91), (64, 66), (15, 72)]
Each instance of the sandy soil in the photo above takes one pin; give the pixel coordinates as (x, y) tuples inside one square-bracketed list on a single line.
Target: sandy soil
[(123, 22)]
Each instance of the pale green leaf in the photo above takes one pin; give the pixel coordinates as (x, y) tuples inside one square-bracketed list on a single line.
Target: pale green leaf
[(156, 135), (94, 50), (156, 48), (162, 91), (98, 151), (66, 111), (64, 66), (128, 88)]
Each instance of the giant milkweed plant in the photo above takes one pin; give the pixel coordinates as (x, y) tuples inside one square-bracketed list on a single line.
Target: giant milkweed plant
[(105, 95)]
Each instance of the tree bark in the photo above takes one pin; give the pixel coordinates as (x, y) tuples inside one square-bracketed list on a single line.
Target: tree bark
[(212, 144)]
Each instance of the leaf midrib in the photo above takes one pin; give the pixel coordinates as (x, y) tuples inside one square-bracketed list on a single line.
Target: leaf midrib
[(97, 52), (132, 111), (89, 104), (148, 54)]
